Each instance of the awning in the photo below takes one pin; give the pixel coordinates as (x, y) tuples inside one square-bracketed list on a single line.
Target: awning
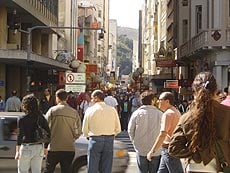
[(19, 57)]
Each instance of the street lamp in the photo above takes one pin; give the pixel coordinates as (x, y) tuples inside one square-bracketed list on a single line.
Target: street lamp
[(138, 80)]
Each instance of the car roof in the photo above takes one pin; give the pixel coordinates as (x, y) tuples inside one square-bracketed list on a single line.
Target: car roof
[(11, 114)]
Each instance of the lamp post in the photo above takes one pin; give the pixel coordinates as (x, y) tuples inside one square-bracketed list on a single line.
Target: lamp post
[(139, 81)]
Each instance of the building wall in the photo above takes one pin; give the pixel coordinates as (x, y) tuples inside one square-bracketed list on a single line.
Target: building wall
[(14, 44), (111, 65), (202, 49), (183, 14), (162, 16), (106, 27), (3, 28)]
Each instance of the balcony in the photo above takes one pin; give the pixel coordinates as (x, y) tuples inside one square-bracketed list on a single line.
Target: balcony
[(44, 11), (206, 39), (18, 57)]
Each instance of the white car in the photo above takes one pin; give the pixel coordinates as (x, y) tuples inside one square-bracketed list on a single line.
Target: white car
[(8, 121)]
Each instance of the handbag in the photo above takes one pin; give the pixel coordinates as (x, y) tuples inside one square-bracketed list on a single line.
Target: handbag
[(41, 135), (223, 163)]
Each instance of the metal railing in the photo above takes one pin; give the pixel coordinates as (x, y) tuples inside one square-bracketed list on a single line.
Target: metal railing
[(205, 39)]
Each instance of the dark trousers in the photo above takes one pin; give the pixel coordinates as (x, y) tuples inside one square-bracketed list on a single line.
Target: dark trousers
[(124, 120), (65, 159)]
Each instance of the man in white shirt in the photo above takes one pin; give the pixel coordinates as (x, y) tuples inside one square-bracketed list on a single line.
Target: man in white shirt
[(110, 100), (143, 128), (100, 124), (85, 104)]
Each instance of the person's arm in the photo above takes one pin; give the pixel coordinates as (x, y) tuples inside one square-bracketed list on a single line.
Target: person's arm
[(117, 123), (159, 141), (6, 106), (19, 140), (48, 116), (46, 127), (132, 127), (17, 154), (85, 127), (116, 104), (78, 130), (81, 109)]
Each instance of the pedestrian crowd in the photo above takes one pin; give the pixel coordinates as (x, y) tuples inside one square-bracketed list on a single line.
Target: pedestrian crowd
[(169, 135)]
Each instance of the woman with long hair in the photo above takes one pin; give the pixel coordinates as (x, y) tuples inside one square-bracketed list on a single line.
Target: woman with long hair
[(29, 151), (205, 125)]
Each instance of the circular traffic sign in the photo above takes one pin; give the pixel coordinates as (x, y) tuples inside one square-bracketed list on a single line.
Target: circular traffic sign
[(70, 78)]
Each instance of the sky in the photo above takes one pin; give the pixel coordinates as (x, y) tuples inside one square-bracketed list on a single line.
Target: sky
[(126, 12)]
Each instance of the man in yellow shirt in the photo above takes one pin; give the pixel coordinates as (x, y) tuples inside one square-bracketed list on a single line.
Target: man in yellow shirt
[(101, 123)]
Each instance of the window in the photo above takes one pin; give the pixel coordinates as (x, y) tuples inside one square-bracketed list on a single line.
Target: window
[(184, 2), (99, 48), (99, 13), (185, 30), (228, 8), (198, 18), (10, 129)]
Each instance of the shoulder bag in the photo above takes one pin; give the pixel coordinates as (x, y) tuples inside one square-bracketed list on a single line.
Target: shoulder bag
[(41, 135)]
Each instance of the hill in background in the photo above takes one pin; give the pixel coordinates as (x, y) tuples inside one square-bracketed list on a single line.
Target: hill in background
[(125, 49), (131, 33)]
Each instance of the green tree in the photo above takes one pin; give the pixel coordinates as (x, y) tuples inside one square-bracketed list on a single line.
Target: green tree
[(124, 54)]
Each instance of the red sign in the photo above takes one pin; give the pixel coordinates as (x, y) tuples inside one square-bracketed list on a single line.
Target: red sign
[(95, 25), (80, 53), (91, 68), (61, 78), (171, 84), (165, 62)]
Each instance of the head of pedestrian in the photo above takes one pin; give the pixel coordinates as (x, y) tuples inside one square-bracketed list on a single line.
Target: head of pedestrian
[(97, 96), (86, 96), (14, 93), (47, 92), (61, 95), (147, 98), (166, 100), (204, 89), (30, 104)]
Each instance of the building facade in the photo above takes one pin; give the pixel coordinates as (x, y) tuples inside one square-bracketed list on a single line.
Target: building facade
[(111, 65), (195, 33), (20, 65), (92, 47), (204, 39)]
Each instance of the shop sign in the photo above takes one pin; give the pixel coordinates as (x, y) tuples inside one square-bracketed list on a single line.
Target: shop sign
[(165, 62), (1, 83), (91, 68), (75, 88), (171, 84)]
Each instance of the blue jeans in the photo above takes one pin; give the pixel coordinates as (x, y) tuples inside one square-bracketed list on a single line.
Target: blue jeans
[(169, 164), (100, 154), (146, 166), (30, 157)]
